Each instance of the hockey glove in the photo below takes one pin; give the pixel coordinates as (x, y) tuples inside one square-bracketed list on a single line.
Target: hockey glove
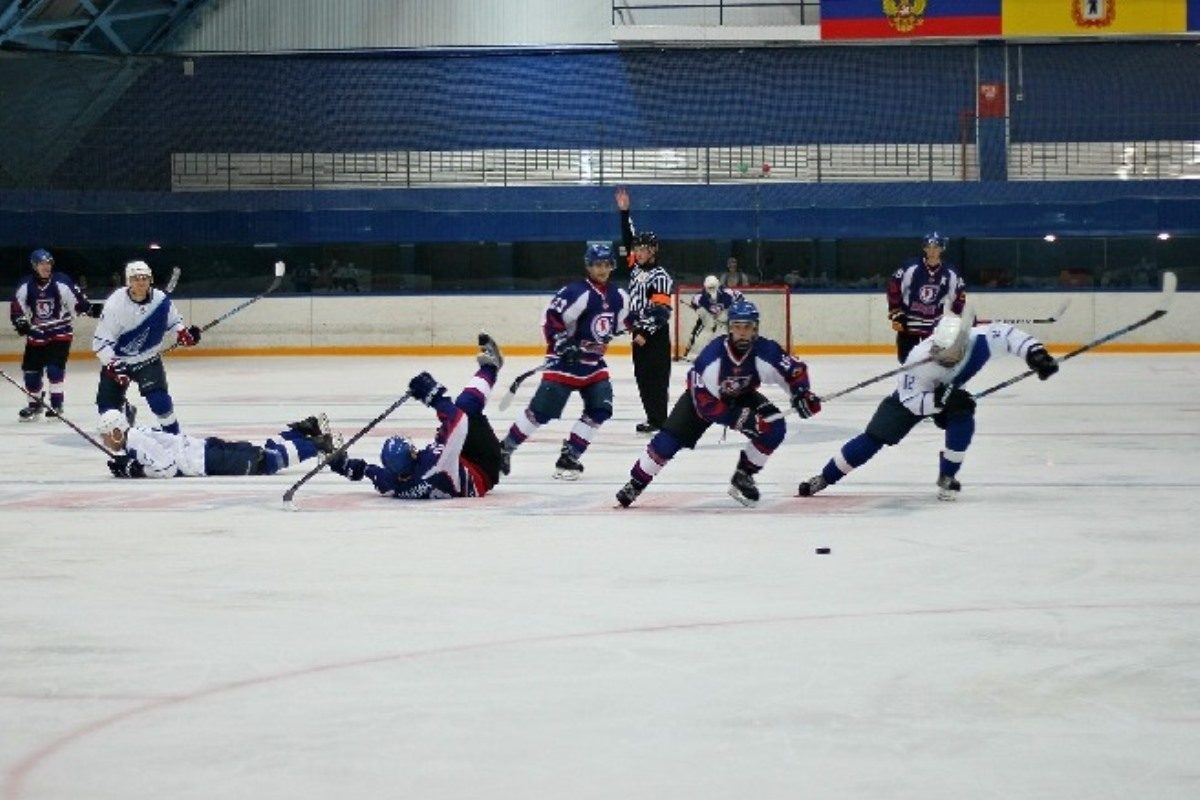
[(806, 404), (566, 350), (956, 402), (118, 372), (189, 336), (1041, 362), (753, 422), (352, 468), (896, 315), (22, 325), (426, 388), (125, 466)]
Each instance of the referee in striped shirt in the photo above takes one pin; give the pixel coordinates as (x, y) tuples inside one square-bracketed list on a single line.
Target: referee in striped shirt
[(650, 290)]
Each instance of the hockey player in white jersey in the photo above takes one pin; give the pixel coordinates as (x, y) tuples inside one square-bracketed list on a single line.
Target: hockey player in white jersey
[(722, 389), (956, 352), (711, 305), (149, 453), (129, 337)]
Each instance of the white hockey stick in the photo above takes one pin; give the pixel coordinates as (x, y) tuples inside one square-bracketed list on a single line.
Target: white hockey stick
[(290, 494), (279, 270), (1055, 317), (1168, 294), (508, 397)]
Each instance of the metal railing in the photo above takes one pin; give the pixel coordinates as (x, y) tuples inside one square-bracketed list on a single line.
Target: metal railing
[(716, 12), (806, 163)]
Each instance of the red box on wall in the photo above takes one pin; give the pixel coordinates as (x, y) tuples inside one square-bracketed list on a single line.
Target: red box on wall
[(992, 98)]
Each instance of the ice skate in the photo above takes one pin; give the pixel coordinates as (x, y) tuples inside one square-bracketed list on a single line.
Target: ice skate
[(489, 352), (130, 414), (630, 492), (647, 427), (811, 486), (316, 430), (53, 411), (948, 488), (506, 451), (30, 413), (743, 489), (568, 467)]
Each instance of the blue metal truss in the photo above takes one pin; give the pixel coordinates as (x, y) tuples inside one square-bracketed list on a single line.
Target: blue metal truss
[(113, 27)]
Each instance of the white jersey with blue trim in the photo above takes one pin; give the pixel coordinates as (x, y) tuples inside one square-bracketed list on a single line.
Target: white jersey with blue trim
[(133, 332), (166, 455), (917, 388)]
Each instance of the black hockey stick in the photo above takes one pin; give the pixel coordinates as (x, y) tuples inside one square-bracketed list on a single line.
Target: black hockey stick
[(1055, 317), (825, 398), (290, 494), (1168, 294), (58, 414), (275, 284)]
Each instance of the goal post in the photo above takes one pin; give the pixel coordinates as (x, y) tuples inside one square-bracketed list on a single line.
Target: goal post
[(774, 302)]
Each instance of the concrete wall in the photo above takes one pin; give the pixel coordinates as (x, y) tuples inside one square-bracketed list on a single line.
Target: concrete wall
[(448, 323)]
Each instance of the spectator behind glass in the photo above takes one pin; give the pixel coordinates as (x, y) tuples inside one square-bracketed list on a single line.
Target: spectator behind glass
[(734, 277)]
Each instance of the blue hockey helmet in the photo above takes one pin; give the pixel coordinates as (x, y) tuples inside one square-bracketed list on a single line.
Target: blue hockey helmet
[(934, 238), (40, 255), (597, 252), (743, 311), (398, 455)]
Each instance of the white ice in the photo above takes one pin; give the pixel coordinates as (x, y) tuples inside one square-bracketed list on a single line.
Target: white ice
[(189, 638)]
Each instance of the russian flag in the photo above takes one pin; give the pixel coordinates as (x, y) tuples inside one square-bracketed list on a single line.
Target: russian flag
[(909, 19)]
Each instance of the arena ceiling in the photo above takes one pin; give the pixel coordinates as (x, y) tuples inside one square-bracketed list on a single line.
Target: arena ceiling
[(115, 27)]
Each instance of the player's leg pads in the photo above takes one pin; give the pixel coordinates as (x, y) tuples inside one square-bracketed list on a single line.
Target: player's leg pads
[(233, 458), (683, 424), (891, 422), (549, 401), (598, 402), (482, 447), (150, 377)]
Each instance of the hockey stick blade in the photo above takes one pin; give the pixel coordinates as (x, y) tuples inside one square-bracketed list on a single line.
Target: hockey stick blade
[(511, 394), (58, 414), (290, 495), (173, 281), (1055, 317), (1164, 303)]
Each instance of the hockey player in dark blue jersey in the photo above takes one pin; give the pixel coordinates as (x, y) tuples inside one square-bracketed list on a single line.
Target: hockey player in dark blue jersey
[(723, 389), (943, 364), (578, 325), (711, 305), (463, 460), (41, 310), (916, 293)]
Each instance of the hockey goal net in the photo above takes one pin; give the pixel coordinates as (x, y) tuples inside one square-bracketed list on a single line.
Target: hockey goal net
[(774, 303)]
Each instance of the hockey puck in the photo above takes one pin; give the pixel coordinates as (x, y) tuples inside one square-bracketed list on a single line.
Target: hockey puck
[(822, 551)]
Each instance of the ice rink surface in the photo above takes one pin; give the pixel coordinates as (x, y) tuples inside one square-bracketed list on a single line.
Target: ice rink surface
[(189, 638)]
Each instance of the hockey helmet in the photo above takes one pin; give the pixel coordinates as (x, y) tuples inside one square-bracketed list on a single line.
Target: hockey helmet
[(399, 456), (135, 269), (711, 284), (596, 253), (934, 239), (743, 311), (645, 239), (949, 340), (112, 420), (40, 255)]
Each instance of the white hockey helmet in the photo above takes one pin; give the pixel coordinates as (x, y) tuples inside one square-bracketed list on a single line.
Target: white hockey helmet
[(950, 338), (136, 269), (712, 284), (112, 420)]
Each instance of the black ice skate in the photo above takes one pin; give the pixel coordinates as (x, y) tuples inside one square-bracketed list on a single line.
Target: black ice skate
[(489, 353), (568, 467), (647, 427), (948, 488), (811, 486), (743, 489), (316, 430), (30, 413), (630, 492), (506, 451)]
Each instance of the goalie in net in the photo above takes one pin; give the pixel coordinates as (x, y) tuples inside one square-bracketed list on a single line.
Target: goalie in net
[(701, 313)]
